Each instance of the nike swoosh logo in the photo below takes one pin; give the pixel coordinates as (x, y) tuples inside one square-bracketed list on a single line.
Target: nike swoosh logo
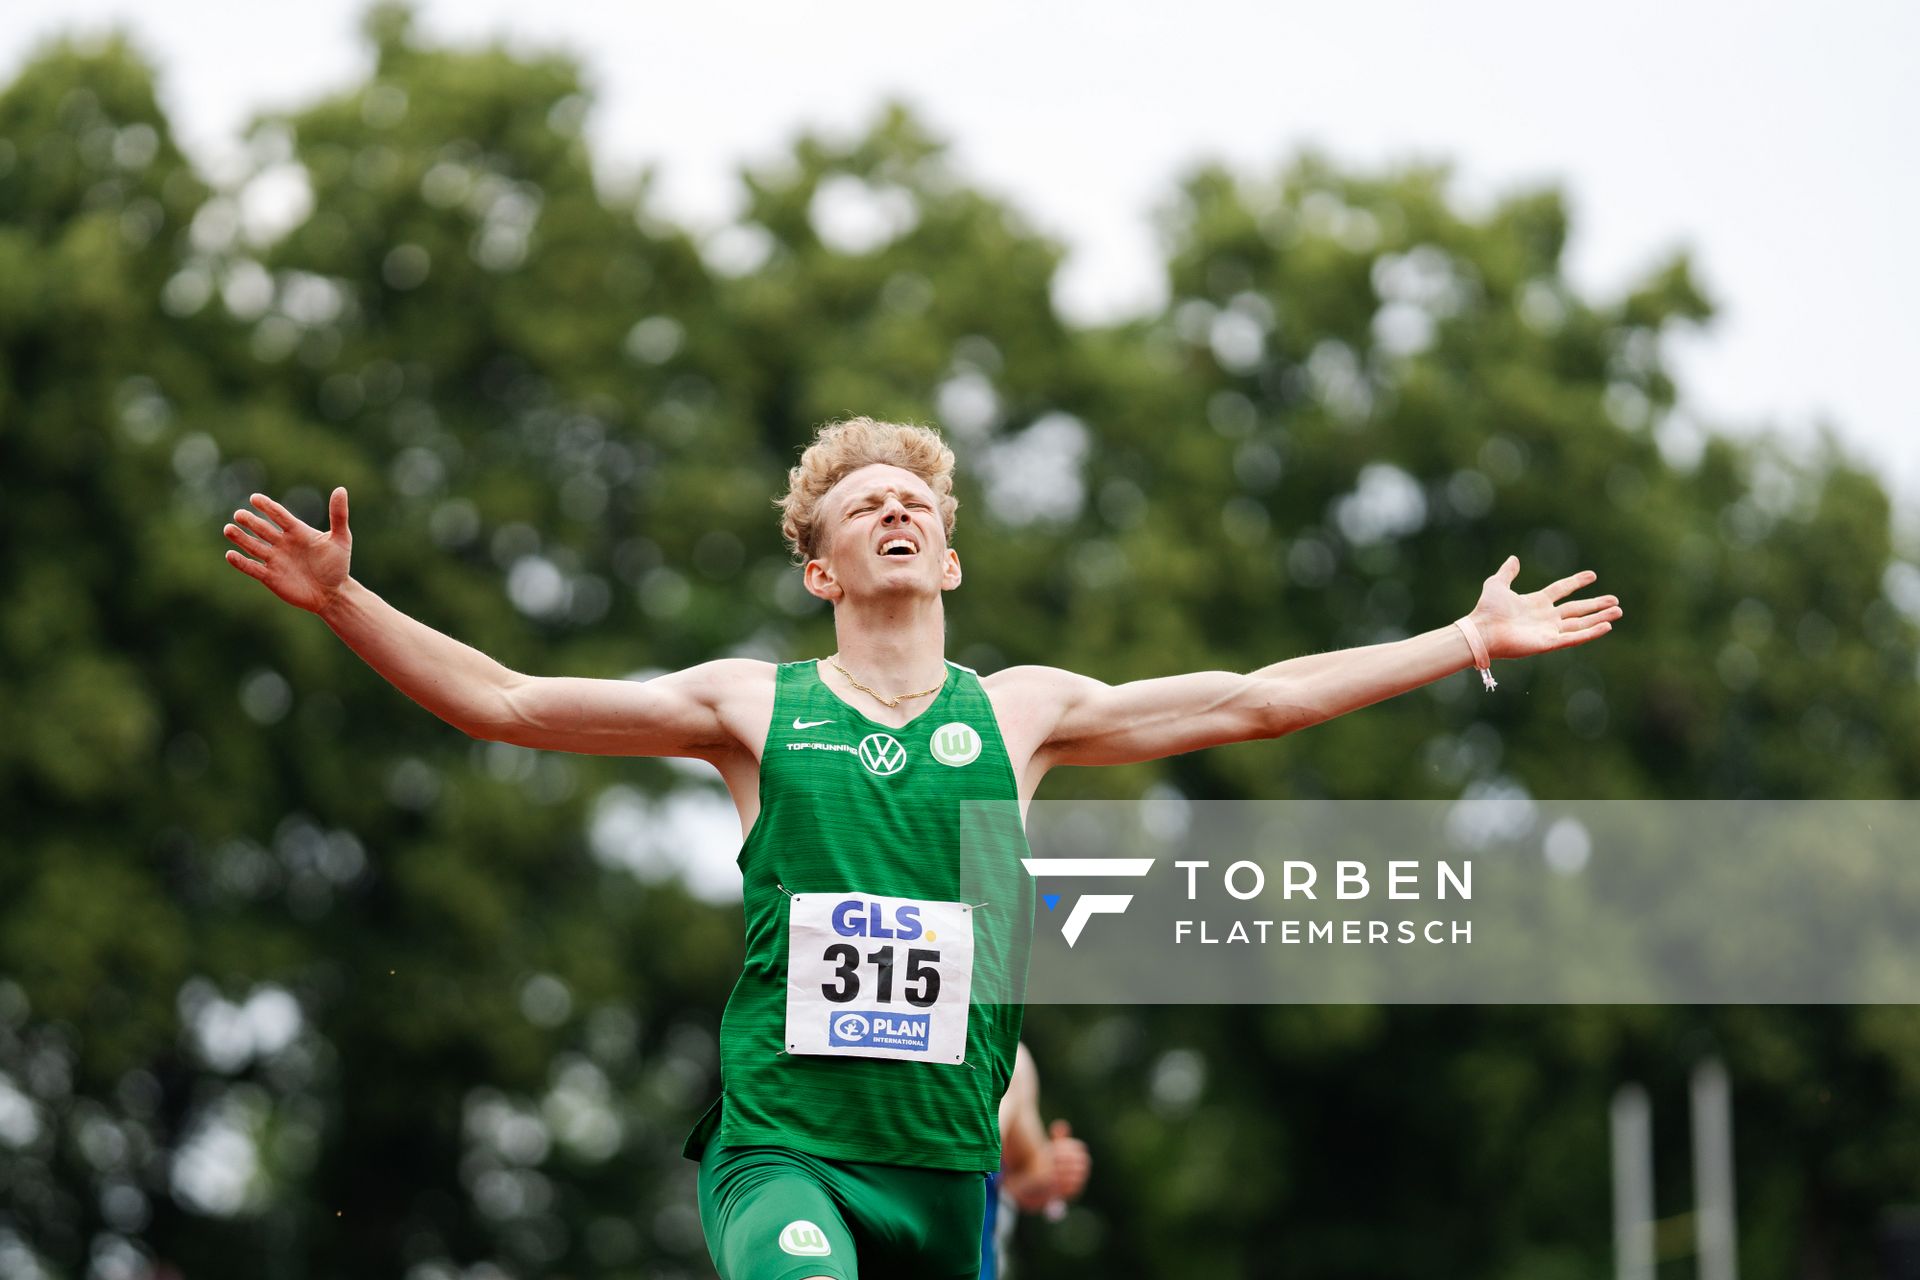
[(798, 723)]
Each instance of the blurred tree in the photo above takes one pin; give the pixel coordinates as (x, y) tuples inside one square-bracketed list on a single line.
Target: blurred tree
[(296, 980), (95, 204)]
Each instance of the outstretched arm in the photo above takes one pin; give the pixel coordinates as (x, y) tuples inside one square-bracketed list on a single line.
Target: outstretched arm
[(1090, 723), (691, 713)]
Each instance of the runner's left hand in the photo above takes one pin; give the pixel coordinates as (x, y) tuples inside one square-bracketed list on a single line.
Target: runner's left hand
[(1518, 626)]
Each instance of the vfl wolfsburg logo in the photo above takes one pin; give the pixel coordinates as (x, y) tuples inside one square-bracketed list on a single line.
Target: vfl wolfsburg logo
[(805, 1239), (882, 754), (956, 744)]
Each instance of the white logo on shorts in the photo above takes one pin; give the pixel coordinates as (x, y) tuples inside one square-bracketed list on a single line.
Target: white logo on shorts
[(805, 1239)]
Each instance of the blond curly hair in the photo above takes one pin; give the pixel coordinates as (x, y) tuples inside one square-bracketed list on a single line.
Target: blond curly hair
[(841, 448)]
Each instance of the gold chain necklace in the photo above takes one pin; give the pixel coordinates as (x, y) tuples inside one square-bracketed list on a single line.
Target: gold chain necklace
[(881, 697)]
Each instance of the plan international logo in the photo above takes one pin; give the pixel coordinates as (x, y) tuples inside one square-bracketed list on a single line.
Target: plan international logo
[(880, 1030)]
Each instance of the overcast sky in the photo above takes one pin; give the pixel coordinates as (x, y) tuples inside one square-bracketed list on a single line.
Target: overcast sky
[(1775, 140)]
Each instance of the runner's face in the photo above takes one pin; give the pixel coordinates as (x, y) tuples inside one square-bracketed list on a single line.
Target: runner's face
[(880, 531)]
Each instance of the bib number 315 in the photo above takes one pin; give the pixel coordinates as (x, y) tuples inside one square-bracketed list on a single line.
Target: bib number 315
[(875, 977)]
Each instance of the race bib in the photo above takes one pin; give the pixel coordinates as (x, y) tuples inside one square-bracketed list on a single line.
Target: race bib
[(873, 977)]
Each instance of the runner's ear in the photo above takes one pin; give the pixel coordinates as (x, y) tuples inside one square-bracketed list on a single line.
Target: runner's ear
[(820, 581)]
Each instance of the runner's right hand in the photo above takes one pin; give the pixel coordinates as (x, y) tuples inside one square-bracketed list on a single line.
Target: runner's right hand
[(297, 562)]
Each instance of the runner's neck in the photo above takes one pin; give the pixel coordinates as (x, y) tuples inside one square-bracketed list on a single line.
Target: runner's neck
[(893, 650)]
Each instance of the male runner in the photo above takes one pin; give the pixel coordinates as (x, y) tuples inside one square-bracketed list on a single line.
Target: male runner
[(859, 1078)]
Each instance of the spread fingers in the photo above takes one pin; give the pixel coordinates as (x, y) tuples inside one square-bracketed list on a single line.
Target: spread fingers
[(255, 525), (247, 542)]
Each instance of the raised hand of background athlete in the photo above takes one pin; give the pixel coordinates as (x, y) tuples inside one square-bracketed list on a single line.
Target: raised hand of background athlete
[(1071, 1163), (1516, 626), (297, 562)]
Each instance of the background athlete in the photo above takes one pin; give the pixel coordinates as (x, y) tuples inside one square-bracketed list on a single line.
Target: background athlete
[(830, 1148), (1042, 1167)]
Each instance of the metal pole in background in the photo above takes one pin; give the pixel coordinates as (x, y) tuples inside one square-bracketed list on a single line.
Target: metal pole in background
[(1713, 1221), (1631, 1118)]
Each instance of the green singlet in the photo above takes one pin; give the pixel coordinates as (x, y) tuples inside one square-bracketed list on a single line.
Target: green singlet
[(887, 929)]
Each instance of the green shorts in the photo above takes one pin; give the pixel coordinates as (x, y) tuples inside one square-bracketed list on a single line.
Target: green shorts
[(774, 1214)]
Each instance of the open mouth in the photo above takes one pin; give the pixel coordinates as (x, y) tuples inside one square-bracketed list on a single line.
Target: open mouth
[(899, 546)]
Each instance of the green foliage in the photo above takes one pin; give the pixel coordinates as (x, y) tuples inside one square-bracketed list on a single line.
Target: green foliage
[(562, 421)]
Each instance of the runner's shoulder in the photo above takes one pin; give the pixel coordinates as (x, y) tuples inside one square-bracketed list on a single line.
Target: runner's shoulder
[(727, 679), (750, 670), (1035, 680), (1030, 700), (738, 692)]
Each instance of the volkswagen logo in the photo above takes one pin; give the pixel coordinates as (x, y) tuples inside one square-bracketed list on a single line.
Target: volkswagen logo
[(882, 754)]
